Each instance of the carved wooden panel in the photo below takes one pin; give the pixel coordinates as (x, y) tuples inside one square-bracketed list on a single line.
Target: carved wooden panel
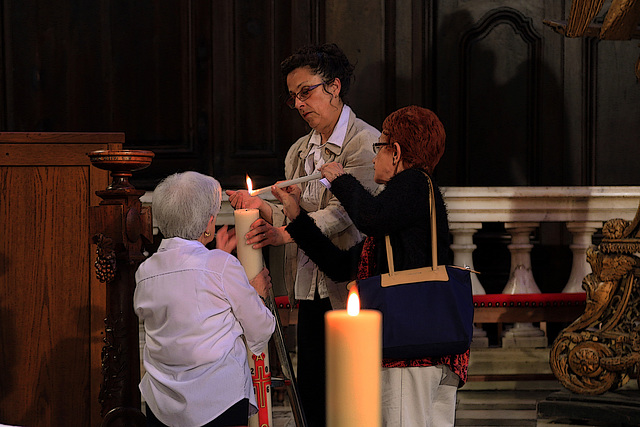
[(525, 106), (615, 99), (493, 76), (52, 307), (252, 127), (199, 83)]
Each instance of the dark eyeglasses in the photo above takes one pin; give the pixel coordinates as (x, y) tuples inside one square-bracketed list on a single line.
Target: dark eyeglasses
[(303, 95), (378, 145)]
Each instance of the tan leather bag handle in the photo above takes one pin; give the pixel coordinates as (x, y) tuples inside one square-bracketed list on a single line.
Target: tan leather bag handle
[(434, 237), (434, 273)]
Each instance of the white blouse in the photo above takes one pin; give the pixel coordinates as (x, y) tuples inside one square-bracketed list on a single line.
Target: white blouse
[(197, 305)]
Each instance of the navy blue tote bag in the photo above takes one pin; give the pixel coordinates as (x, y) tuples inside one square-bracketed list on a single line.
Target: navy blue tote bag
[(426, 312)]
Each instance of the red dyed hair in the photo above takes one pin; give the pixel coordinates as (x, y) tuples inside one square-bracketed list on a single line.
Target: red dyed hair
[(420, 134)]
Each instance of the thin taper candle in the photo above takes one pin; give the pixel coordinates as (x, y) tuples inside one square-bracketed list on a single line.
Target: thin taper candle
[(282, 184)]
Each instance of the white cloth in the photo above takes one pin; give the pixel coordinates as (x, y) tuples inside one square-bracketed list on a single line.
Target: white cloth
[(423, 396), (197, 305), (314, 159), (307, 271)]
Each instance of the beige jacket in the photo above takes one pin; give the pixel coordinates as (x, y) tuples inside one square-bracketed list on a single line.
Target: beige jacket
[(356, 156)]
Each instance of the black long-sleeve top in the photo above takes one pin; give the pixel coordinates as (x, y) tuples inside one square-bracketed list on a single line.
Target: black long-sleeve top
[(401, 210)]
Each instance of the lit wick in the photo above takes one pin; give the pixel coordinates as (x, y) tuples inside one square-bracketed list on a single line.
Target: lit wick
[(353, 303)]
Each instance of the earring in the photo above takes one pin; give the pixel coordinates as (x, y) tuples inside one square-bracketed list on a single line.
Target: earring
[(207, 234)]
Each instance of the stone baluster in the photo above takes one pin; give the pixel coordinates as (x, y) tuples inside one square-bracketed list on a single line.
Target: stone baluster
[(582, 233), (463, 248), (521, 281)]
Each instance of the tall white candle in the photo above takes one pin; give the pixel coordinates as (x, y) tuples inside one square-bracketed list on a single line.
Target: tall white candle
[(250, 258), (354, 364)]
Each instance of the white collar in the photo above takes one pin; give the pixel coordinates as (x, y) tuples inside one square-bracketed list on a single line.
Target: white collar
[(339, 132)]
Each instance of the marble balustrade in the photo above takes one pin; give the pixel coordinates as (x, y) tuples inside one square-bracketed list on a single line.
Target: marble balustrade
[(583, 209), (522, 209)]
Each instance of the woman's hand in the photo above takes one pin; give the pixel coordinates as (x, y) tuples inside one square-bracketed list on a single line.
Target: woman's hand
[(290, 199), (241, 199), (262, 283), (263, 234), (226, 239), (332, 170)]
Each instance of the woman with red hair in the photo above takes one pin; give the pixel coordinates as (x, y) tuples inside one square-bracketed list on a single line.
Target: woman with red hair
[(414, 391)]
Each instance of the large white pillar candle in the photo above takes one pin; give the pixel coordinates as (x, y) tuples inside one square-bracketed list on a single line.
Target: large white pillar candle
[(354, 364), (250, 258), (252, 261)]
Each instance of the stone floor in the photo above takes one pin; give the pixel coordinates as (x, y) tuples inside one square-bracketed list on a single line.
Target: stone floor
[(481, 408), (475, 408), (496, 402)]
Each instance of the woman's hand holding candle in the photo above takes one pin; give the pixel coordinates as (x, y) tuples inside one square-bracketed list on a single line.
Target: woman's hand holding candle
[(262, 283), (263, 234), (241, 199), (290, 199), (332, 170)]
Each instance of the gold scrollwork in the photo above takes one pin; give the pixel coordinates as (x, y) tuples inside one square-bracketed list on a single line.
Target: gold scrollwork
[(600, 351)]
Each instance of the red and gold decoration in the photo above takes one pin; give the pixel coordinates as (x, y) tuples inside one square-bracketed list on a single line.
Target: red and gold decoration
[(261, 376)]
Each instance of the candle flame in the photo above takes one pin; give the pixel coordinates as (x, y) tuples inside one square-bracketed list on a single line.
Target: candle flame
[(353, 303), (249, 185)]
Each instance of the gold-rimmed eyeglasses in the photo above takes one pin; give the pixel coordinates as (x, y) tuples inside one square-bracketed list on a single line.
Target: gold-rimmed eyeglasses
[(377, 146), (303, 95)]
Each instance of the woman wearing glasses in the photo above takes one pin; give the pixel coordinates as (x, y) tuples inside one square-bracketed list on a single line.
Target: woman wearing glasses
[(415, 392), (318, 79)]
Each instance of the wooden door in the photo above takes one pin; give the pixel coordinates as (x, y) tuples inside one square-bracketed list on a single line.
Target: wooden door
[(196, 82), (523, 105)]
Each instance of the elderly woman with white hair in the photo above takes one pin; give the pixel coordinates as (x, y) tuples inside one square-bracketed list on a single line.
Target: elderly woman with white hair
[(198, 309)]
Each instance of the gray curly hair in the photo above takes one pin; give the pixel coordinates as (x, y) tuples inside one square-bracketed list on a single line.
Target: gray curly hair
[(184, 202)]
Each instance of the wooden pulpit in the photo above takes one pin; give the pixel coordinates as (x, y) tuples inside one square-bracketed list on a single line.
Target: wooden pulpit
[(121, 228), (52, 307)]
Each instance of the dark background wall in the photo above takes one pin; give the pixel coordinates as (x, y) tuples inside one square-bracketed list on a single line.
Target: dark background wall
[(198, 82)]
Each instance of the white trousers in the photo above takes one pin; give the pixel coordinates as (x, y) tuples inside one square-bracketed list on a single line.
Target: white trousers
[(418, 397)]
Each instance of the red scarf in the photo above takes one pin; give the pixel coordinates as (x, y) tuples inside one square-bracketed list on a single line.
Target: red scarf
[(367, 264)]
